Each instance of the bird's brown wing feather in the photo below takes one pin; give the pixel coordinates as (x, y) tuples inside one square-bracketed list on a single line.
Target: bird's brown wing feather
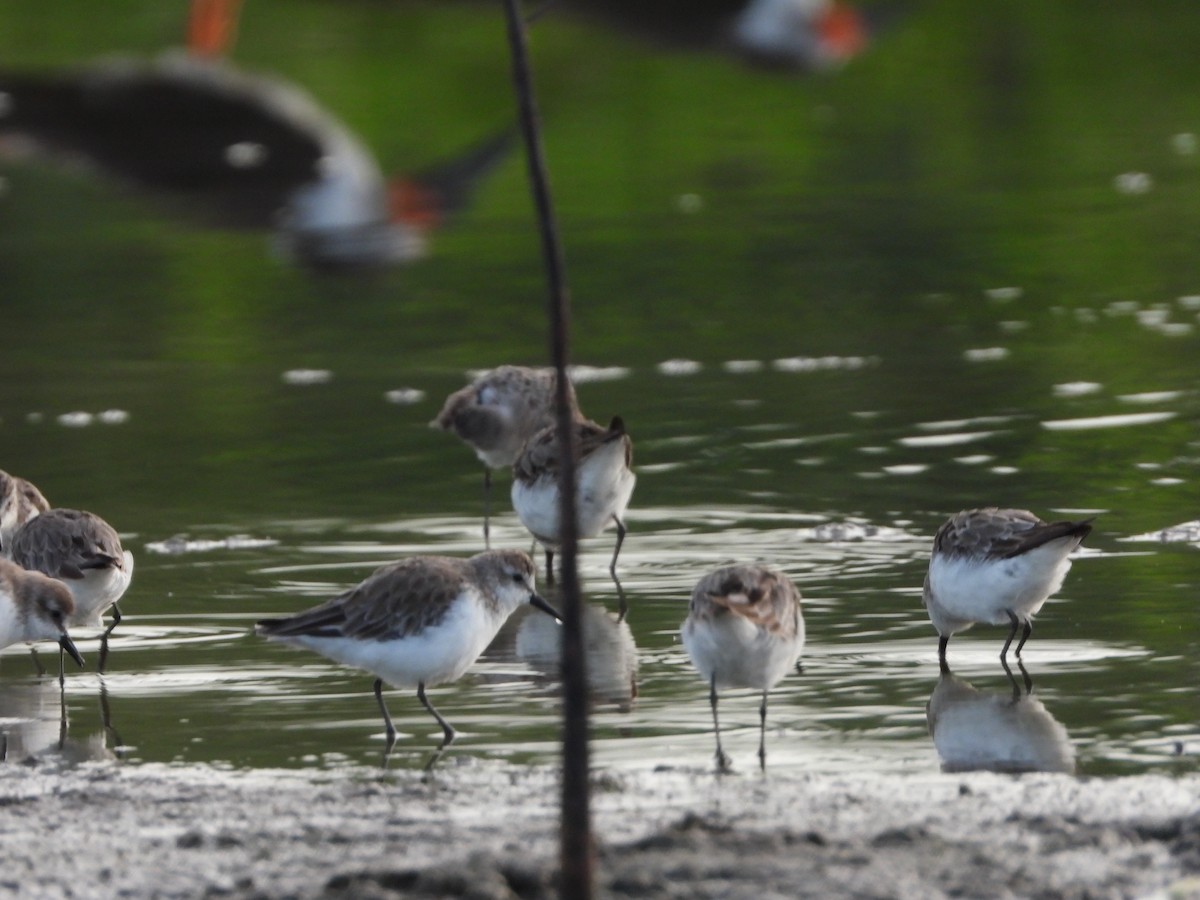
[(394, 602), (64, 543)]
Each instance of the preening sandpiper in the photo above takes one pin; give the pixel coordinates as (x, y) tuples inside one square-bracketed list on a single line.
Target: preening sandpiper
[(497, 413), (34, 607), (744, 629), (995, 567), (604, 484), (85, 553), (418, 622)]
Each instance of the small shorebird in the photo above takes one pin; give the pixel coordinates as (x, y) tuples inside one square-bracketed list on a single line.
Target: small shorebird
[(20, 501), (417, 622), (604, 484), (744, 629), (996, 566), (34, 607), (497, 413), (83, 552)]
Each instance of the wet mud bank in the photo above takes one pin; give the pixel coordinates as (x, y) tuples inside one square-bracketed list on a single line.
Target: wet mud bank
[(486, 830)]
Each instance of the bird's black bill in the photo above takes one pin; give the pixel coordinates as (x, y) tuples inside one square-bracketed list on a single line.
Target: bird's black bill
[(544, 606), (69, 646)]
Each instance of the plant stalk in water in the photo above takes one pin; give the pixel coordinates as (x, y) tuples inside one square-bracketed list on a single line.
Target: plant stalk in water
[(576, 857)]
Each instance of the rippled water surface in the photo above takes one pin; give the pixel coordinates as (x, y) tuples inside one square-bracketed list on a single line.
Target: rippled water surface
[(1112, 659), (854, 327)]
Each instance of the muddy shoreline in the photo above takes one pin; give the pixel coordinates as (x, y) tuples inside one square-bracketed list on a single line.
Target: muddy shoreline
[(487, 830)]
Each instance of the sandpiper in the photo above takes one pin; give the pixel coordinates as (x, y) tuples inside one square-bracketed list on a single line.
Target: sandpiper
[(996, 566), (20, 501), (34, 607), (417, 622), (604, 484), (497, 413), (84, 552), (744, 629)]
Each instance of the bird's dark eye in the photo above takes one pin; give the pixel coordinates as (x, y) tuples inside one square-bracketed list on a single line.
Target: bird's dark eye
[(57, 616), (518, 578)]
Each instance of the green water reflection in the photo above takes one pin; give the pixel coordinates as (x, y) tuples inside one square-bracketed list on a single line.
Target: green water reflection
[(943, 223)]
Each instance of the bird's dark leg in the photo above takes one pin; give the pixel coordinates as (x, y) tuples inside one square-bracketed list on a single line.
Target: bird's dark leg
[(1026, 680), (622, 603), (447, 732), (1025, 677), (37, 662), (723, 761), (116, 614), (1016, 688), (106, 720), (1016, 623), (612, 566), (62, 712), (942, 664), (549, 566), (762, 733), (1026, 631), (487, 508), (387, 720)]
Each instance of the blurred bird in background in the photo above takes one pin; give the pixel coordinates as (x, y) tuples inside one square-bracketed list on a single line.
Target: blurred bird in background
[(235, 149)]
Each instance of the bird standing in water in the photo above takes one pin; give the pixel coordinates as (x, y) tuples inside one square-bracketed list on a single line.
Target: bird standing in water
[(604, 484), (418, 622), (996, 567), (496, 415), (744, 629), (83, 552)]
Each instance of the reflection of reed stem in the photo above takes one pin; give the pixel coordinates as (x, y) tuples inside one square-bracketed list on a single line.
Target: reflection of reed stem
[(576, 850)]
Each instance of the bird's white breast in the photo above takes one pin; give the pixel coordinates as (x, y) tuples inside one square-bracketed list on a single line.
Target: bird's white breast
[(97, 591), (739, 652), (973, 589), (605, 485)]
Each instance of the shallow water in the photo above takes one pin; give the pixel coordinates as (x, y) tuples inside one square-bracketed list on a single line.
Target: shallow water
[(1112, 660), (857, 332)]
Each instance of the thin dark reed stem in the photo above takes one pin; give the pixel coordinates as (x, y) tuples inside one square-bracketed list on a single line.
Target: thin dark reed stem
[(576, 859)]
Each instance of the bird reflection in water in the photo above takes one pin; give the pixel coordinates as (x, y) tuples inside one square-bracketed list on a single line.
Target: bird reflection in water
[(36, 727), (611, 655), (1002, 732)]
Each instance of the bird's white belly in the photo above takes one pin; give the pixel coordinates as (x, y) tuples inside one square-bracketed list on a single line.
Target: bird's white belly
[(438, 654), (740, 653), (603, 492), (984, 590)]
